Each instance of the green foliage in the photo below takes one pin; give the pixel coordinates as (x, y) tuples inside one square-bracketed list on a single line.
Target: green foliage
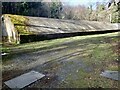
[(101, 7), (40, 9), (110, 14), (15, 8), (56, 8), (115, 10), (115, 17)]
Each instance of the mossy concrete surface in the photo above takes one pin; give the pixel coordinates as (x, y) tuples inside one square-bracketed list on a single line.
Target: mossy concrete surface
[(20, 23), (37, 25)]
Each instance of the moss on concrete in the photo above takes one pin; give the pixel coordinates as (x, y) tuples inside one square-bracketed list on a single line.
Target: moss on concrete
[(20, 23)]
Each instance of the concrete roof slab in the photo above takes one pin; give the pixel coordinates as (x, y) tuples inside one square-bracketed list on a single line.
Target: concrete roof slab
[(24, 80)]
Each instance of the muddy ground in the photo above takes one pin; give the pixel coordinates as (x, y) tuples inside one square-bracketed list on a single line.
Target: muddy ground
[(68, 63)]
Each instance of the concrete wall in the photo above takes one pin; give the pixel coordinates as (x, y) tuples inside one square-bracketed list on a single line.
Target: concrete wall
[(9, 34), (41, 37)]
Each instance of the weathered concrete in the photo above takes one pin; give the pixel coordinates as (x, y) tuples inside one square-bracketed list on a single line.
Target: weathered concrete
[(24, 80), (48, 28), (51, 26), (9, 33), (111, 74)]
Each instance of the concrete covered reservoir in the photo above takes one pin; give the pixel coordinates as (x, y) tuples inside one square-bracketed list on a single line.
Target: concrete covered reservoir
[(44, 27), (51, 26)]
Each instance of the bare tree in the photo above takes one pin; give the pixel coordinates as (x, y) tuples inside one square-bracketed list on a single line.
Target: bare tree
[(76, 12)]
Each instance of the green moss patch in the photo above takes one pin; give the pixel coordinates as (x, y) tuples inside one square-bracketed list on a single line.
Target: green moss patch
[(20, 23)]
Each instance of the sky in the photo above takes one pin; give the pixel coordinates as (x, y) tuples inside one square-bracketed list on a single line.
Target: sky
[(82, 2)]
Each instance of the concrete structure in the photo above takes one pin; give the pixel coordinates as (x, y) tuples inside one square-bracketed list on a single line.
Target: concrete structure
[(52, 26), (111, 74), (9, 34), (45, 26), (24, 80)]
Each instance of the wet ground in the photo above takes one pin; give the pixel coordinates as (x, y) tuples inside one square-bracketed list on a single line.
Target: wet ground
[(71, 64)]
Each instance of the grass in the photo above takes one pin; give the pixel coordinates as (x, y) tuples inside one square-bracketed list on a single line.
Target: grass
[(101, 57), (48, 45), (98, 53), (20, 23), (42, 45)]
